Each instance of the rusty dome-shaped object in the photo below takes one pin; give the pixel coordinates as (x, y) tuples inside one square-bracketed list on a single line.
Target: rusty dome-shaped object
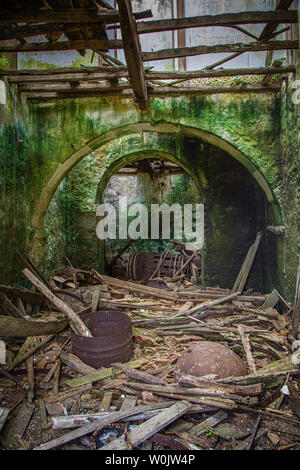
[(206, 357)]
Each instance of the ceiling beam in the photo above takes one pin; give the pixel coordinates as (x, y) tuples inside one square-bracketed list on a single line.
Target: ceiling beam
[(68, 77), (70, 15), (133, 53), (226, 19), (199, 50), (168, 91), (219, 73), (78, 76), (282, 6), (79, 44)]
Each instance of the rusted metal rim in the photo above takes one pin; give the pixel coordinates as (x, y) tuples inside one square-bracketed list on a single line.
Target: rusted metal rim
[(111, 341)]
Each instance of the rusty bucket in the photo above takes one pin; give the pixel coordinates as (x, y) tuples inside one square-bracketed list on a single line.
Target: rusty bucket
[(111, 341)]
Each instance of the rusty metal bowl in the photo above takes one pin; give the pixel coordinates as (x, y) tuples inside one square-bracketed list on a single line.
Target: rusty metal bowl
[(111, 341)]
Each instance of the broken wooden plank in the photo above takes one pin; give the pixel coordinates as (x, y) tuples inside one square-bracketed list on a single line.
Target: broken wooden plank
[(75, 421), (4, 412), (296, 310), (138, 375), (89, 428), (247, 265), (8, 308), (128, 403), (133, 52), (209, 423), (199, 50), (23, 294), (134, 287), (77, 324), (101, 374), (271, 300), (29, 353), (206, 305), (76, 364), (20, 328), (202, 382), (17, 426), (247, 348), (106, 401), (30, 377), (147, 429), (224, 19)]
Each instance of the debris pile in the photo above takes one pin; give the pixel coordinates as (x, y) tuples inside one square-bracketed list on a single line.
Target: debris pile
[(178, 390)]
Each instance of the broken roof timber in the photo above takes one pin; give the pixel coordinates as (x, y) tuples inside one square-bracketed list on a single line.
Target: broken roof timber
[(78, 44), (240, 48), (282, 6), (226, 19), (163, 91), (69, 15), (133, 52)]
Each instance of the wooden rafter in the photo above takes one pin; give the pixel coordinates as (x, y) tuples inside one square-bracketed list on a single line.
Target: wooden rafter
[(197, 74), (270, 28), (238, 48), (167, 91), (226, 19), (70, 15), (79, 44), (34, 76), (133, 53)]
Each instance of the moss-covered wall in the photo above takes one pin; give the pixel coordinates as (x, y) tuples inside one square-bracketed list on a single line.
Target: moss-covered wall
[(253, 129)]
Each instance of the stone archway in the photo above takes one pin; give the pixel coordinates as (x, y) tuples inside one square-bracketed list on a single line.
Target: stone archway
[(166, 128)]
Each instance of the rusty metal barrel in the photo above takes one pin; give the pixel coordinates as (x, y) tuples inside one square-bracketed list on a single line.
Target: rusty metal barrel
[(111, 341)]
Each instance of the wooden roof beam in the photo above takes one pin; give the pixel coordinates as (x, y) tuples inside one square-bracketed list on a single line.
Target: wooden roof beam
[(79, 44), (69, 15), (238, 48), (133, 53), (281, 7), (197, 74), (226, 19), (171, 91)]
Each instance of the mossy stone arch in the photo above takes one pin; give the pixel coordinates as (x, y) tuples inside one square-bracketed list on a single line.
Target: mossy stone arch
[(162, 127)]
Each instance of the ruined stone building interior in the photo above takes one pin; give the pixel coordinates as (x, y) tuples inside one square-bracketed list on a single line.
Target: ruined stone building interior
[(149, 226)]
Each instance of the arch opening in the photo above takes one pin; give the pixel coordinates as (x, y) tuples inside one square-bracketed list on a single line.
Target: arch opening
[(236, 208)]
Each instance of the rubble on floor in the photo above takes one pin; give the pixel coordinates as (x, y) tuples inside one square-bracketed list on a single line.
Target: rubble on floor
[(50, 399)]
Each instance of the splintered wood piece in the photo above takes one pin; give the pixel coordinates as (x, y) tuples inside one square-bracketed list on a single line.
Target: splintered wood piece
[(4, 412), (21, 328), (138, 375), (134, 287), (271, 300), (30, 352), (247, 348), (56, 378), (209, 423), (247, 265), (106, 401), (76, 364), (296, 312), (150, 427), (95, 299), (77, 324), (7, 307), (17, 426), (30, 376), (91, 427), (128, 403), (101, 374)]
